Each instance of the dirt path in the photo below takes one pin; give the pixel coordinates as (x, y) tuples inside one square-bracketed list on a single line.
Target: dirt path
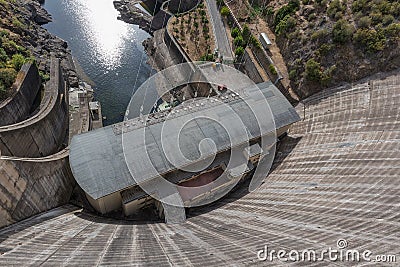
[(275, 52), (257, 26)]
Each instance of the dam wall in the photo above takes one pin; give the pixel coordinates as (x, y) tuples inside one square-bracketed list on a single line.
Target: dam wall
[(174, 48), (335, 177), (18, 106), (34, 168), (44, 133), (30, 186)]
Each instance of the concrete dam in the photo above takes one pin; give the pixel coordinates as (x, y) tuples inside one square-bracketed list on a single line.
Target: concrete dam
[(335, 177), (35, 174), (334, 182)]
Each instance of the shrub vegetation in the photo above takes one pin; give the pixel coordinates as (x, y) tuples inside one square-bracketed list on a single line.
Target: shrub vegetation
[(12, 57)]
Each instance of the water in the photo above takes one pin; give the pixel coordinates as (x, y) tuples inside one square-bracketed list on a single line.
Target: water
[(109, 51)]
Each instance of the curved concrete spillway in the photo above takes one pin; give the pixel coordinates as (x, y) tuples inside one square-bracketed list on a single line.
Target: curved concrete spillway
[(17, 107), (336, 176), (42, 134), (30, 184)]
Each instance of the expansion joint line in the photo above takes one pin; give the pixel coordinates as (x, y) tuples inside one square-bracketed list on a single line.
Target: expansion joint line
[(65, 242), (109, 241), (161, 246)]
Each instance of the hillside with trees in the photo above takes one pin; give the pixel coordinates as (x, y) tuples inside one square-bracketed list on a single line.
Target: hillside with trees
[(326, 42)]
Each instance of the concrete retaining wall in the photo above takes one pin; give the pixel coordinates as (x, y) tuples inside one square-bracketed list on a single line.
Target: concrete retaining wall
[(179, 6), (44, 133), (264, 60), (31, 186), (174, 47), (17, 107), (250, 69)]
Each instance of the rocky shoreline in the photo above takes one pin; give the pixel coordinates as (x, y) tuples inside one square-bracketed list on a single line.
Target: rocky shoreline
[(29, 34), (159, 55), (130, 13)]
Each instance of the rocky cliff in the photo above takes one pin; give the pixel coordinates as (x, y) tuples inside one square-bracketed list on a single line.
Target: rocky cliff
[(20, 22), (130, 13)]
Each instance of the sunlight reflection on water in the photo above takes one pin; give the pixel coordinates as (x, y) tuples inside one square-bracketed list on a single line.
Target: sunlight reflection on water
[(109, 50), (105, 34)]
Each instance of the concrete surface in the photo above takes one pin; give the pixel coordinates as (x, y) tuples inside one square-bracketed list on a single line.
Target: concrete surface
[(18, 106), (30, 186), (336, 176), (44, 133), (36, 180)]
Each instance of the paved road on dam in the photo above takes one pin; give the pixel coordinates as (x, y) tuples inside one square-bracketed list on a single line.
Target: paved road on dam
[(221, 38)]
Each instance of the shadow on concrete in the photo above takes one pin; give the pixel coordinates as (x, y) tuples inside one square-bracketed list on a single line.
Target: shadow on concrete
[(283, 150), (108, 219), (31, 225), (237, 193), (31, 222)]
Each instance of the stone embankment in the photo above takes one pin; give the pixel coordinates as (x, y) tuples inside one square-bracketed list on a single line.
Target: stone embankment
[(130, 13), (39, 14), (24, 20)]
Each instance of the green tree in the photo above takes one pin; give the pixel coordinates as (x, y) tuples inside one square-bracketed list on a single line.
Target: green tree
[(225, 11), (239, 51), (313, 70), (235, 32), (272, 69), (17, 61), (246, 33), (393, 31), (387, 19), (342, 31), (239, 41), (320, 35), (7, 78), (364, 22), (287, 24), (286, 10), (255, 42), (3, 55), (334, 7), (370, 39)]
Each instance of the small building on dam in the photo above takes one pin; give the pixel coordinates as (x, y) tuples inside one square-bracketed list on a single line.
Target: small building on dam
[(215, 140)]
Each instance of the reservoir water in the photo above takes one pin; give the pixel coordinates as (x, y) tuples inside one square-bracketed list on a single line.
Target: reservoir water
[(109, 51)]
